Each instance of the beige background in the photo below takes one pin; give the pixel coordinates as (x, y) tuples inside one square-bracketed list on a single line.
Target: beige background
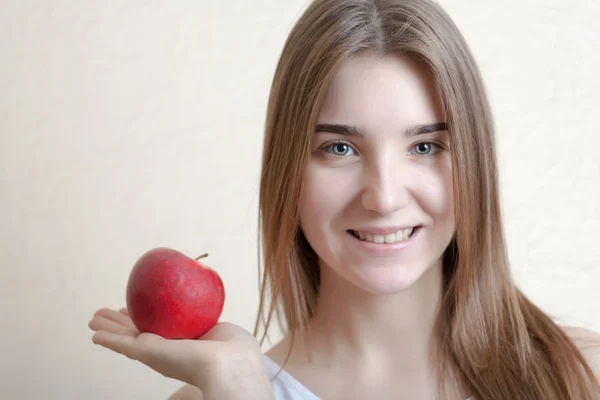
[(134, 124)]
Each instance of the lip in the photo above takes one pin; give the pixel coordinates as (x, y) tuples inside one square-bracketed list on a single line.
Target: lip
[(382, 249)]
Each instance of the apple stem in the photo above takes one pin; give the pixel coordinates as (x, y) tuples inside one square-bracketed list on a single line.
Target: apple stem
[(202, 256)]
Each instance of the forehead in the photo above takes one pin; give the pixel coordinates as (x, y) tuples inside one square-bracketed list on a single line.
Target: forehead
[(391, 88)]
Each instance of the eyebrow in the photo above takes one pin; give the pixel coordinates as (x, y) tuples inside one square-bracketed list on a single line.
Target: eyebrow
[(348, 130)]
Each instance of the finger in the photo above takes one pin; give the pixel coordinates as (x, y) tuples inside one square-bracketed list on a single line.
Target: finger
[(122, 344), (124, 311), (101, 323), (115, 316), (143, 347)]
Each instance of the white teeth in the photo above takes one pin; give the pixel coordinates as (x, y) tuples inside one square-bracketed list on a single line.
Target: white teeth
[(389, 238)]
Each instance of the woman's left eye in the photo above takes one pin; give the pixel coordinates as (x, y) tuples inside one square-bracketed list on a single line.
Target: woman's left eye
[(426, 148)]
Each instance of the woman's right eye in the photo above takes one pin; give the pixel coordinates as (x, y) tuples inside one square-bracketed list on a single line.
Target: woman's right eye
[(339, 149)]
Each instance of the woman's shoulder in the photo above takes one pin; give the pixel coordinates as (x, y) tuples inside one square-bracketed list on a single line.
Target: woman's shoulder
[(588, 343)]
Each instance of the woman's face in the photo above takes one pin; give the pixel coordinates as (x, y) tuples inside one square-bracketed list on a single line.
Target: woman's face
[(376, 203)]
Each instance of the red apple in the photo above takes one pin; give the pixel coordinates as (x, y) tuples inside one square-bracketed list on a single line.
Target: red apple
[(173, 295)]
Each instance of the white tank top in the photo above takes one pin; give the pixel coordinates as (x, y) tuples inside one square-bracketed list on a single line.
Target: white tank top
[(285, 387)]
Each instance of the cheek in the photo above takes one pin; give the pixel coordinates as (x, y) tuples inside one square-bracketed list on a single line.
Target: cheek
[(324, 195), (435, 193)]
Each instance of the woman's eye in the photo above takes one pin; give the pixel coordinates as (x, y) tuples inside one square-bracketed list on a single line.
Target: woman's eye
[(426, 148), (340, 149)]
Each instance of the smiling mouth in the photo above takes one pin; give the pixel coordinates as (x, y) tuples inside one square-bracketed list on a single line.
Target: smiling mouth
[(390, 238)]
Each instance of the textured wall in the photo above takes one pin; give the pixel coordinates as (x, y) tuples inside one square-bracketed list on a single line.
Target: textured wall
[(128, 125)]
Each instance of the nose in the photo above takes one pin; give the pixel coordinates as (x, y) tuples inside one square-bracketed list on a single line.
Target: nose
[(386, 188)]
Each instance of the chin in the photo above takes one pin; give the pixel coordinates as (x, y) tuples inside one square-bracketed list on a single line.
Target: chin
[(386, 280)]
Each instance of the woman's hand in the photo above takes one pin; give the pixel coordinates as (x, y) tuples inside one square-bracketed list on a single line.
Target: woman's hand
[(225, 362)]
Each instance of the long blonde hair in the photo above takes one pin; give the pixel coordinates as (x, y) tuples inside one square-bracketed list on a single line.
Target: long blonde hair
[(491, 338)]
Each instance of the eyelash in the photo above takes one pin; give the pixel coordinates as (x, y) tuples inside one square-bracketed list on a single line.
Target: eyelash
[(327, 145)]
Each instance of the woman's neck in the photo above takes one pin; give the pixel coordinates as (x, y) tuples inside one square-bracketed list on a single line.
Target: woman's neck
[(354, 324), (377, 342)]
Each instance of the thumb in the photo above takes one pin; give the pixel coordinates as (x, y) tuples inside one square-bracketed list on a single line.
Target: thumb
[(227, 332)]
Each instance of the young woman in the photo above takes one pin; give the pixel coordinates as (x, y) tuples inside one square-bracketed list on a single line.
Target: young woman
[(382, 235)]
